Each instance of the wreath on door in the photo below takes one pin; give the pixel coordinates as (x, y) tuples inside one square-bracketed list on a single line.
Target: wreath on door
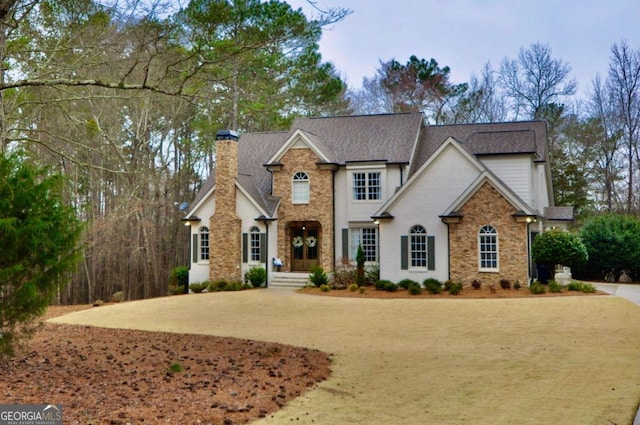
[(311, 241), (298, 242)]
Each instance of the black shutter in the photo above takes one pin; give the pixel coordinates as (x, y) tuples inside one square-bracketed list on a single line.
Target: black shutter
[(245, 247), (263, 247), (345, 244), (194, 247), (404, 255), (431, 252)]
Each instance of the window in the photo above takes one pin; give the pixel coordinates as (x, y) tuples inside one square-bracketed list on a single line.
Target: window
[(367, 186), (418, 246), (254, 241), (488, 248), (368, 238), (204, 243), (300, 189)]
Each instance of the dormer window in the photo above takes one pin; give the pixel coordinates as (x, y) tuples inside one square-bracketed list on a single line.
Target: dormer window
[(300, 188)]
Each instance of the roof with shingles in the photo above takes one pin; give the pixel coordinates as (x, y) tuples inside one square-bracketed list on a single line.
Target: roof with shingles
[(394, 138)]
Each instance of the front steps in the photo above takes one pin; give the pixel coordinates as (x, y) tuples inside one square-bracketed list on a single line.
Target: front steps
[(288, 280)]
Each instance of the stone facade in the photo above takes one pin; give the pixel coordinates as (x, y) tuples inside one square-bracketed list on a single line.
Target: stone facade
[(319, 210), (488, 207), (225, 225)]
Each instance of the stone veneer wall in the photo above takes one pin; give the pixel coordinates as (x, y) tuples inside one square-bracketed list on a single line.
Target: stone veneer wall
[(488, 207), (319, 208), (225, 231)]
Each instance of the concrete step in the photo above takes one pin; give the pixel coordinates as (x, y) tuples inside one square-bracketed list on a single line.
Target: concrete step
[(285, 279)]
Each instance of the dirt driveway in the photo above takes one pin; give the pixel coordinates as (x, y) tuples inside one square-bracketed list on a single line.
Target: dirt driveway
[(573, 360)]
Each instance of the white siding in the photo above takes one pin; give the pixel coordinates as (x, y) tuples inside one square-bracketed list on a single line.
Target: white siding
[(516, 171), (429, 195), (199, 270)]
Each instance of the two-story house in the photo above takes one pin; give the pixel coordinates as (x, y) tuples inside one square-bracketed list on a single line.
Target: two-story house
[(458, 202)]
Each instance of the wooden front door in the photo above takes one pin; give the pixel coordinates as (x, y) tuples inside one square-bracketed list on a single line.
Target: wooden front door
[(305, 247)]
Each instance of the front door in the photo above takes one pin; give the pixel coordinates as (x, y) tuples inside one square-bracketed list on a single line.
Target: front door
[(305, 246)]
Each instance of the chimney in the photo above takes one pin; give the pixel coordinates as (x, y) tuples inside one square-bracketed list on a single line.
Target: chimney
[(225, 225)]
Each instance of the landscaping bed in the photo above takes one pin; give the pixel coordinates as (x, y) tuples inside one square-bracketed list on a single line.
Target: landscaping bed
[(117, 376)]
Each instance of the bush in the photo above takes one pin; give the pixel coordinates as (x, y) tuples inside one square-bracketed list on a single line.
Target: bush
[(537, 288), (372, 274), (324, 288), (505, 284), (198, 287), (179, 277), (217, 285), (517, 285), (613, 244), (406, 283), (117, 297), (433, 286), (343, 278), (317, 276), (39, 234), (455, 288), (476, 284), (360, 278), (588, 288), (559, 247), (353, 287), (257, 275), (362, 289), (555, 287), (414, 289), (390, 287), (380, 284), (447, 285)]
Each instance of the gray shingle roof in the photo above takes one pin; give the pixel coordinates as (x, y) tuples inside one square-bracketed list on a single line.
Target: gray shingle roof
[(559, 213), (522, 137), (383, 137)]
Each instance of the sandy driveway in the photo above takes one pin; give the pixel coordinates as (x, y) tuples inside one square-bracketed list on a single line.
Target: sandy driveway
[(570, 360)]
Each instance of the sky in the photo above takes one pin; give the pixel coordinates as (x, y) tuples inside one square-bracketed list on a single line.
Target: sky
[(466, 34)]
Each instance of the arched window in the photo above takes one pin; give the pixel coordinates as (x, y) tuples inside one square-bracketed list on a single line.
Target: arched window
[(254, 241), (488, 249), (204, 243), (418, 246), (300, 188)]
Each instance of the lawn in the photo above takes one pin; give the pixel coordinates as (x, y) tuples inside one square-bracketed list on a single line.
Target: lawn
[(571, 360)]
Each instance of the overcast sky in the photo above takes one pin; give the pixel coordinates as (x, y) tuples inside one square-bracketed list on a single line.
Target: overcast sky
[(466, 34)]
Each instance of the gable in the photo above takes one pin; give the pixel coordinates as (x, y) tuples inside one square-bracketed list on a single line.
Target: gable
[(440, 180), (300, 140)]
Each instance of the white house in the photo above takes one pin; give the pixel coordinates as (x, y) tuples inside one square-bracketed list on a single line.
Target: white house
[(458, 202)]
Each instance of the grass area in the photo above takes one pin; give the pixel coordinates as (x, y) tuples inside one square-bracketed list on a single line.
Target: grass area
[(487, 361)]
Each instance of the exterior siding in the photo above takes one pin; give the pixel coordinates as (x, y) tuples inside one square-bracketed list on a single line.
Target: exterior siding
[(516, 171), (429, 195), (488, 207)]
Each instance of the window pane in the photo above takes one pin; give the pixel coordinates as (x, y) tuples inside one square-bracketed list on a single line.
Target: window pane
[(369, 243), (254, 244), (374, 186), (300, 189), (418, 246), (204, 243), (359, 186), (488, 248)]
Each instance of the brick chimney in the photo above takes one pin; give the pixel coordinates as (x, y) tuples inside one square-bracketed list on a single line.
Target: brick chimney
[(225, 225)]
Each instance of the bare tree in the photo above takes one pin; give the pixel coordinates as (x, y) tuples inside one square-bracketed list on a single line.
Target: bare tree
[(535, 80), (623, 84)]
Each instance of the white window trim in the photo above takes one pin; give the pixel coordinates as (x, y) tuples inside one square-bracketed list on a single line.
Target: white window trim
[(410, 251), (254, 230), (496, 235), (200, 233), (293, 185), (353, 250)]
